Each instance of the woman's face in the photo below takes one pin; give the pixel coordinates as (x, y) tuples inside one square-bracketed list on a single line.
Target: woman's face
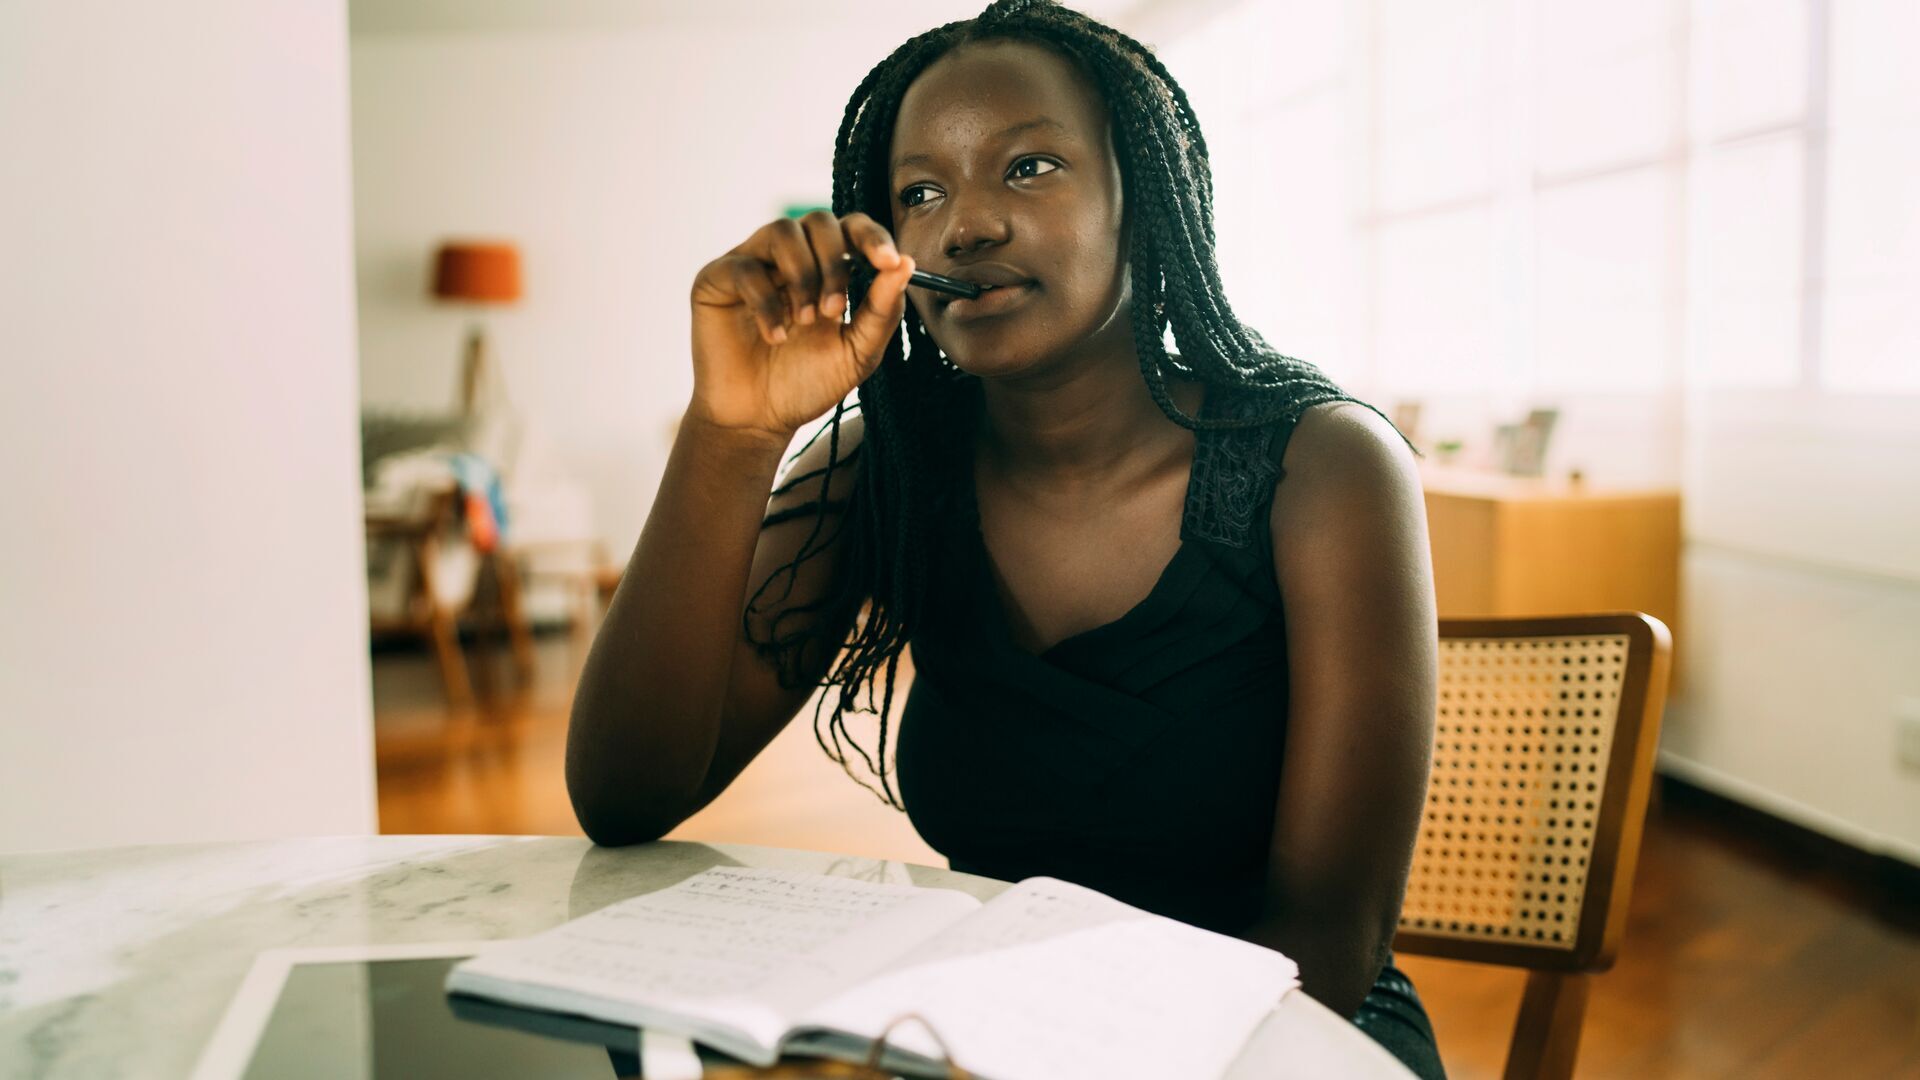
[(1003, 173)]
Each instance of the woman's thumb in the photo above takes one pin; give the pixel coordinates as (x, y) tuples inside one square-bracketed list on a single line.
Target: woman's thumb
[(880, 312)]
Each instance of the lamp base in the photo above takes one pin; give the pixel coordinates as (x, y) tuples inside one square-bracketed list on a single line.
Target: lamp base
[(473, 369)]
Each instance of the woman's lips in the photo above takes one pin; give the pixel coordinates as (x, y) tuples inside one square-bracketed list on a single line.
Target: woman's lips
[(994, 301)]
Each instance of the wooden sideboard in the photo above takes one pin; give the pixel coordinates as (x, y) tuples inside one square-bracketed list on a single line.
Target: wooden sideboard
[(1506, 545)]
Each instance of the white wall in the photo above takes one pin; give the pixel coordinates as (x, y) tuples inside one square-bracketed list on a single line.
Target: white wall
[(1800, 628), (1793, 674), (182, 634)]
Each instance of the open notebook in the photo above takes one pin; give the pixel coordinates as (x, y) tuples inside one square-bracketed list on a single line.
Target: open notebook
[(1046, 980)]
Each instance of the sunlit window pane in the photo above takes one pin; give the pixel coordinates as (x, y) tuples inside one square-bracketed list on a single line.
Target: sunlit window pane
[(1435, 160), (1872, 323), (1296, 45), (1284, 152), (1556, 195), (1437, 66), (1607, 80), (1745, 202), (1434, 56), (1286, 246), (1576, 30), (1606, 255), (1749, 65), (1435, 281), (1872, 77)]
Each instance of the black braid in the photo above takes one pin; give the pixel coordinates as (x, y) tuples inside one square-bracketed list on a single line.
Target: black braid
[(892, 521)]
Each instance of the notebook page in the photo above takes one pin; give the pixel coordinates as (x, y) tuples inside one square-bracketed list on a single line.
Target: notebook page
[(1053, 980), (744, 944)]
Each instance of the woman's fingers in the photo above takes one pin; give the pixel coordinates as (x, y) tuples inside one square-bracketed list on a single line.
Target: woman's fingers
[(804, 270), (872, 240), (886, 300), (799, 274), (755, 287), (829, 254), (880, 312)]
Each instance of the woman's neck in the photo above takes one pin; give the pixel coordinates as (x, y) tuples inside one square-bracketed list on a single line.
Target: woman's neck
[(1081, 425)]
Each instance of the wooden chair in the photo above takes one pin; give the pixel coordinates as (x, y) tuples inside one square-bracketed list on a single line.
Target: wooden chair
[(495, 596), (1543, 760)]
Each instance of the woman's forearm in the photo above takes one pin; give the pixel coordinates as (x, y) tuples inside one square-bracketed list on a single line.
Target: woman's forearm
[(647, 713), (1340, 954)]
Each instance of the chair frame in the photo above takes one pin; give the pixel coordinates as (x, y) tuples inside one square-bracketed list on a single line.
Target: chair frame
[(1547, 1031), (499, 585)]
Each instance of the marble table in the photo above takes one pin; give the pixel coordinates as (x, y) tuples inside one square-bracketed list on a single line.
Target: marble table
[(121, 962)]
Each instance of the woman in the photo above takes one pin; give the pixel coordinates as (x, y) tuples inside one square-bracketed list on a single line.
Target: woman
[(1144, 662)]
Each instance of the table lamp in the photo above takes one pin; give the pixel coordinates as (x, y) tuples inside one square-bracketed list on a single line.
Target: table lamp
[(476, 272)]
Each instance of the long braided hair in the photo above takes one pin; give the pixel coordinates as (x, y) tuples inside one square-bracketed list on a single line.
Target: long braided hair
[(914, 405)]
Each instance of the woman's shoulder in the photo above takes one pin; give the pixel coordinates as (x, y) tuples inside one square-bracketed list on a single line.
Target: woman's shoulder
[(1348, 441), (1294, 426), (1344, 460)]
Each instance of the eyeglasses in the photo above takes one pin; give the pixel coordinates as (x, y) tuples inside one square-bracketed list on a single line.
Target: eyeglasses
[(815, 1069)]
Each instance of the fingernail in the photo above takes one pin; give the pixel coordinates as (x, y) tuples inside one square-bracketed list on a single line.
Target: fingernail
[(833, 305), (779, 334), (889, 249), (806, 315)]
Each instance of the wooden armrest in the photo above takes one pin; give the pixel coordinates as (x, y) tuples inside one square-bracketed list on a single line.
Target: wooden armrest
[(439, 510)]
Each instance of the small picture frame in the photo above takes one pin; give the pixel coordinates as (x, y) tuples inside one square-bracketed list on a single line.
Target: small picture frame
[(1521, 448)]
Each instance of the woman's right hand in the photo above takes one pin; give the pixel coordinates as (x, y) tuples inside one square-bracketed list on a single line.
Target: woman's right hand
[(771, 351)]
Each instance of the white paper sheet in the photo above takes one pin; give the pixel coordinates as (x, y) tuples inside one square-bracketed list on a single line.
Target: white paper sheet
[(1052, 980), (749, 946)]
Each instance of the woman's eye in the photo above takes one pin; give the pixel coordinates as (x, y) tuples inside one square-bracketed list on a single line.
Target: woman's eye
[(1032, 166), (916, 195)]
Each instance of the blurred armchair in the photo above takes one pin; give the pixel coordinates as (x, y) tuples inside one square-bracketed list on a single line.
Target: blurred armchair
[(437, 556), (419, 576)]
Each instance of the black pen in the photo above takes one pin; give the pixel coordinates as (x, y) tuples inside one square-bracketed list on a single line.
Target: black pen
[(937, 282), (943, 284)]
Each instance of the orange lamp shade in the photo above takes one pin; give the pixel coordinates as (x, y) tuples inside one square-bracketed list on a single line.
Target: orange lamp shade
[(483, 272)]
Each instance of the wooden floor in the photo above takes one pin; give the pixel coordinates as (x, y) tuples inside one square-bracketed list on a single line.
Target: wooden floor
[(1737, 962)]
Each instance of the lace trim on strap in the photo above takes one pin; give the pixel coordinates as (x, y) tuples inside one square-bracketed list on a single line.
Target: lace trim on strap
[(1235, 470)]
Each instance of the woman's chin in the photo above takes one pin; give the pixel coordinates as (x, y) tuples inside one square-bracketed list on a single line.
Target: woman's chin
[(989, 353), (994, 364)]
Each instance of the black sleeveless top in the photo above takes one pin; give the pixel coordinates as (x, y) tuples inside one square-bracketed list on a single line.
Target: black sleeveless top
[(1140, 758)]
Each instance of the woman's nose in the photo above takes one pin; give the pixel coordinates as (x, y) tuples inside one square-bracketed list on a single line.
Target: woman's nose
[(972, 223)]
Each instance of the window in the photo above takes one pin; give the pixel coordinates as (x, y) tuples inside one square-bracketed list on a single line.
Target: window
[(1871, 338), (1544, 198)]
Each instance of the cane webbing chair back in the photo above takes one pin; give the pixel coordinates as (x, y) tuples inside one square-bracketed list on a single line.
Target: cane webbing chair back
[(1543, 758)]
